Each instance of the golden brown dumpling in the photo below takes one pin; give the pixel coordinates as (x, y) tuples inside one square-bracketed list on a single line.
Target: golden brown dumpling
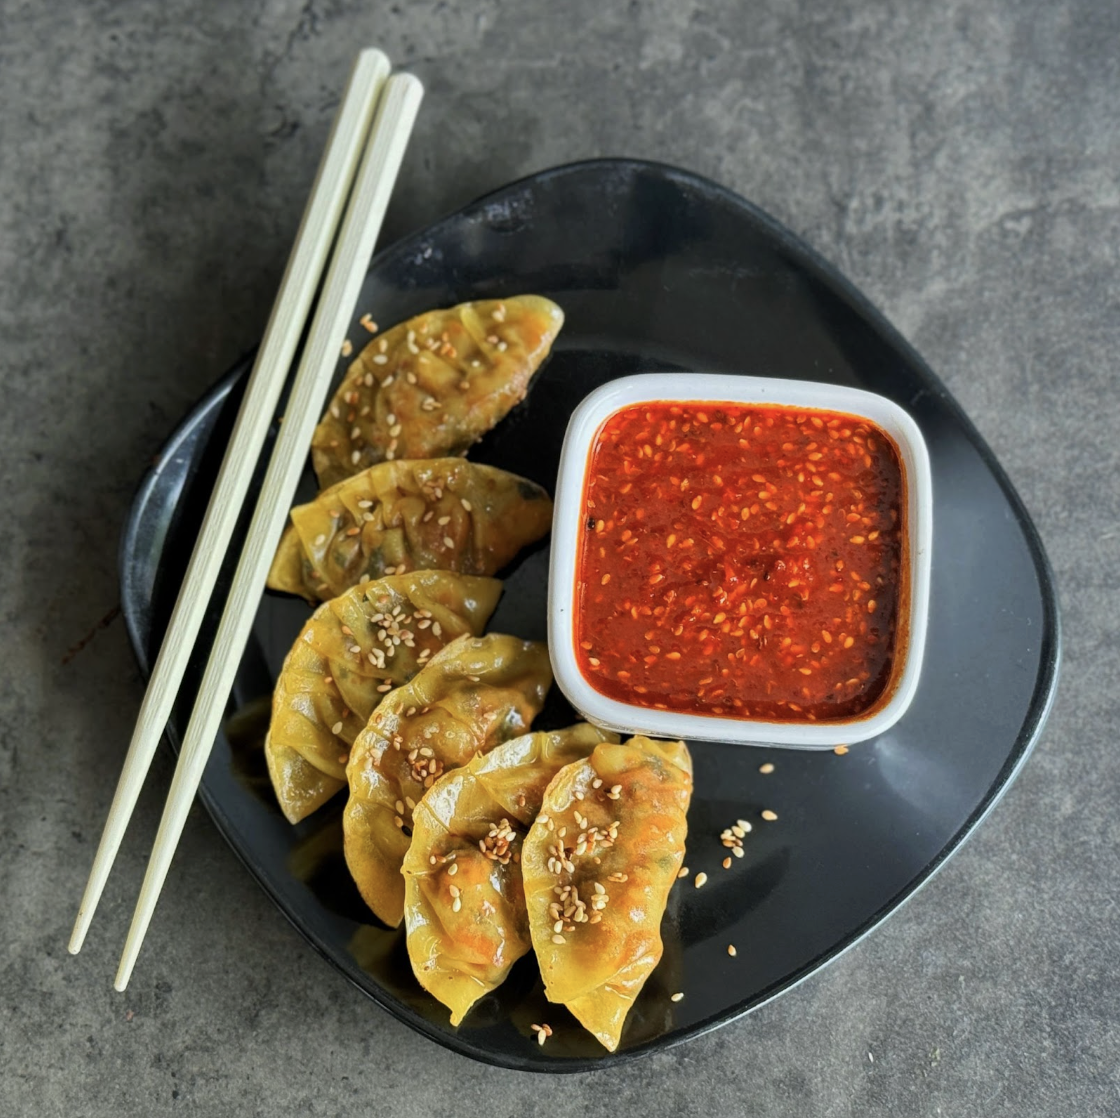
[(464, 902), (434, 385), (426, 513), (472, 696), (340, 667), (598, 865)]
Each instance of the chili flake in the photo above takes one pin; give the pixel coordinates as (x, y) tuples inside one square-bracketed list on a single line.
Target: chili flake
[(741, 561)]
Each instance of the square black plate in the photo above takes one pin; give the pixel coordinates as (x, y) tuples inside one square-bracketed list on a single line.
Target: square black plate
[(658, 269)]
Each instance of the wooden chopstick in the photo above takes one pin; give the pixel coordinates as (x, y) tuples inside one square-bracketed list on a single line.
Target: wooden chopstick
[(376, 177), (289, 314)]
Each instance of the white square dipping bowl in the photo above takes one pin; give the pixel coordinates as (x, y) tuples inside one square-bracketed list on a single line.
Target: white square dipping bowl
[(711, 388)]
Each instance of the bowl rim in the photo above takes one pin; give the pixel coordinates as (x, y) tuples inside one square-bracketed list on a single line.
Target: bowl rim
[(702, 387)]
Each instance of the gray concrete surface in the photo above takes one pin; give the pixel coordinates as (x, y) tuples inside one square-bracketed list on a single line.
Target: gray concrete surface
[(958, 160)]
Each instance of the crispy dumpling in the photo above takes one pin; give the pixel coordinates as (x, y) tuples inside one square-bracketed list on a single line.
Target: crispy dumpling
[(434, 385), (326, 691), (471, 697), (420, 514), (606, 880), (464, 902)]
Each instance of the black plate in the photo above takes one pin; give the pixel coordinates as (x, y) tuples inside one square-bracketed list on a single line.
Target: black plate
[(660, 270)]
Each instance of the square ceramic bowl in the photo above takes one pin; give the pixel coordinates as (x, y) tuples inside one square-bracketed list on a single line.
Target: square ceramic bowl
[(713, 389)]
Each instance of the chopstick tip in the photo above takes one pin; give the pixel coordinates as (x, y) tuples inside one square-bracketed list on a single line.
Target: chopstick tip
[(78, 935)]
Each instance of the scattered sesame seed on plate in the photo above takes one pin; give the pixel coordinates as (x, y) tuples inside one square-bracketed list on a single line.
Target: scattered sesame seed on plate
[(766, 769), (676, 997), (731, 950), (700, 879), (769, 815), (683, 872), (727, 863), (840, 750)]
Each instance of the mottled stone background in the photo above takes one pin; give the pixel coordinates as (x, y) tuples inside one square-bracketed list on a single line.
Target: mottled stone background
[(960, 161)]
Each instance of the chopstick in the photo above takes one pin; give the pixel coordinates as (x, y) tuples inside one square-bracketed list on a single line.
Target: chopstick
[(376, 177), (289, 314)]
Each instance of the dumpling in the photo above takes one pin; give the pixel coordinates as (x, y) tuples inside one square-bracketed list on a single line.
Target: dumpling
[(340, 668), (464, 903), (472, 696), (598, 865), (444, 513), (434, 385)]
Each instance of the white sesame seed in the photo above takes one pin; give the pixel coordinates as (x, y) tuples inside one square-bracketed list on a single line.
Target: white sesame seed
[(766, 769), (769, 815), (700, 879), (676, 997), (336, 728)]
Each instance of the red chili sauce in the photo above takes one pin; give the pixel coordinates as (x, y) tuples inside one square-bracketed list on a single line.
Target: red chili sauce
[(741, 561)]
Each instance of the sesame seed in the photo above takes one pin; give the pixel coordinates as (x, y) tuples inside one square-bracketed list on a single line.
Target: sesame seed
[(336, 728), (453, 869), (347, 348), (769, 815), (682, 872), (737, 851), (766, 769), (727, 863), (840, 750), (676, 997), (731, 950), (557, 938), (701, 878)]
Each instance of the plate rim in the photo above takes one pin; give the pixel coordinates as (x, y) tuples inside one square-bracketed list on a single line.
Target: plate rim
[(1050, 641)]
